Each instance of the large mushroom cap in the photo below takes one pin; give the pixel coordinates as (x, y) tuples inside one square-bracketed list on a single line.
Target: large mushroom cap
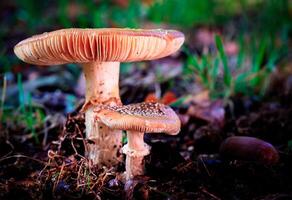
[(142, 117), (88, 45)]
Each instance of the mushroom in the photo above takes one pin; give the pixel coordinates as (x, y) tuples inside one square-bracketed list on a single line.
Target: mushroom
[(136, 119), (100, 52)]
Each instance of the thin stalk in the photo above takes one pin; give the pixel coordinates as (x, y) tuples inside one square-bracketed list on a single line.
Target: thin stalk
[(135, 150)]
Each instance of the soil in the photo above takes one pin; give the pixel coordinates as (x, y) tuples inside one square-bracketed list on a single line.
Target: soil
[(187, 166)]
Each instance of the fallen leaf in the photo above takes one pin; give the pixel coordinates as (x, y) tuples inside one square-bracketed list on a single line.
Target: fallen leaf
[(168, 98), (151, 98)]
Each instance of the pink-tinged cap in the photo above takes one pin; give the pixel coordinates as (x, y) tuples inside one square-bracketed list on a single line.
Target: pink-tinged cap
[(141, 117), (90, 45)]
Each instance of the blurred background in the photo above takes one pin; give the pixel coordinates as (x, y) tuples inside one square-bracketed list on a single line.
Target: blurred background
[(233, 76), (254, 33)]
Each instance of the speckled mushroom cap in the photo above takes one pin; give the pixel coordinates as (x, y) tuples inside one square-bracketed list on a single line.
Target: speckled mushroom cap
[(88, 45), (143, 117)]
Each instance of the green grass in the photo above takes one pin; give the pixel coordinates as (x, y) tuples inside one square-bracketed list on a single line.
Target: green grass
[(226, 72), (251, 74), (184, 13), (26, 109), (27, 115)]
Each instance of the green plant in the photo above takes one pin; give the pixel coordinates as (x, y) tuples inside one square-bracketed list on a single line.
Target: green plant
[(62, 13), (108, 14), (27, 112), (27, 115), (186, 13), (130, 17), (250, 75), (30, 11)]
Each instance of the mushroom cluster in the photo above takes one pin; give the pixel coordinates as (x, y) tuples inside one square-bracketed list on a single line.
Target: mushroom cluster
[(100, 52)]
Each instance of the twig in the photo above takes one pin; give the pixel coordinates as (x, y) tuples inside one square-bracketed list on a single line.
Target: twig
[(79, 174), (59, 176), (206, 168), (45, 134), (12, 148), (22, 156), (210, 194)]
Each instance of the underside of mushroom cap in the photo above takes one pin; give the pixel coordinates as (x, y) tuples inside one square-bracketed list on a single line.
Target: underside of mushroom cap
[(143, 117), (88, 45)]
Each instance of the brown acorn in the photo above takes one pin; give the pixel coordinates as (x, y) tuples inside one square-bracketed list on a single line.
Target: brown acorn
[(249, 149)]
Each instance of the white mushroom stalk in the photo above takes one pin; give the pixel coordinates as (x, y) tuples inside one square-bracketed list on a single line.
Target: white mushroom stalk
[(135, 150), (102, 87)]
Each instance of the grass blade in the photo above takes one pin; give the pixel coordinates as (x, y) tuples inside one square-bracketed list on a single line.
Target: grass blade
[(240, 56), (227, 75), (21, 98), (31, 120)]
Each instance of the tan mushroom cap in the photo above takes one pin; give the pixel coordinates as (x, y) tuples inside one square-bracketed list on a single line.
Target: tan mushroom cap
[(88, 45), (142, 117)]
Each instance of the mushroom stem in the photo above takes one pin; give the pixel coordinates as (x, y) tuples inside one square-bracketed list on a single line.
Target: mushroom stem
[(102, 82), (135, 150), (102, 87)]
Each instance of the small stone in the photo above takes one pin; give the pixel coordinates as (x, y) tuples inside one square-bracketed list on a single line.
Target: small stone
[(113, 183)]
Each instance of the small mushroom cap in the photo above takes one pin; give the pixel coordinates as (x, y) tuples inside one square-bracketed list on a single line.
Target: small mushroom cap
[(89, 45), (142, 117)]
